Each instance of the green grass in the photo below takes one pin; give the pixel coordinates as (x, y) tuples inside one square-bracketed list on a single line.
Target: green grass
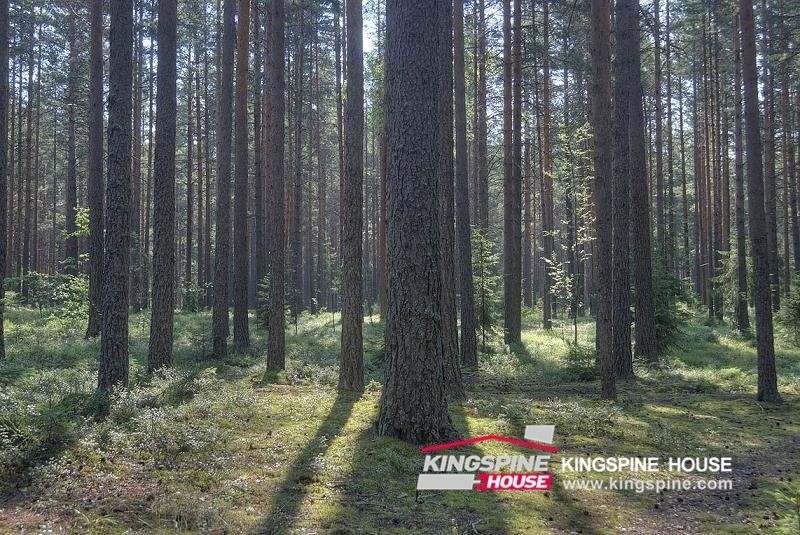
[(210, 447)]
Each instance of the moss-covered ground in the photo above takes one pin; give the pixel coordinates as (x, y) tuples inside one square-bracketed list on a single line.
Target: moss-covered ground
[(211, 447)]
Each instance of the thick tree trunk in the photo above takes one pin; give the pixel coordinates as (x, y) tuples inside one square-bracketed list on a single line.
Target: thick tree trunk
[(161, 320), (114, 324), (351, 368), (601, 123), (469, 352), (222, 248), (767, 376), (241, 253), (413, 405)]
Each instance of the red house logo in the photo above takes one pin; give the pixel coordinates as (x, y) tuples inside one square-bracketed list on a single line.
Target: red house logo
[(490, 472)]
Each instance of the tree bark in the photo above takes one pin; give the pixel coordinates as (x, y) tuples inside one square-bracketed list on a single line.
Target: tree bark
[(276, 341), (413, 405), (161, 319), (114, 324), (548, 224), (512, 173), (95, 167), (241, 253), (469, 352), (222, 239), (4, 25), (770, 188), (640, 207), (601, 124), (71, 191), (742, 315), (351, 367), (759, 251), (625, 23)]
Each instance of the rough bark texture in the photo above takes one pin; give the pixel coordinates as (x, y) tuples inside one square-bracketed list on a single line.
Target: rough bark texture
[(767, 376), (95, 167), (276, 344), (351, 368), (413, 405), (601, 123), (640, 205), (114, 324), (742, 315), (3, 164), (624, 17), (161, 320), (449, 336), (222, 239), (241, 253), (469, 352)]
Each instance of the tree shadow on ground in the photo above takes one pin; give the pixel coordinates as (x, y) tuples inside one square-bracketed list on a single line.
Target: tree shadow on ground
[(288, 499)]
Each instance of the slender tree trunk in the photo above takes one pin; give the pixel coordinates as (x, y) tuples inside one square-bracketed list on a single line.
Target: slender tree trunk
[(547, 177), (447, 303), (26, 240), (259, 175), (469, 352), (482, 156), (603, 186), (759, 250), (413, 405), (114, 324), (625, 21), (276, 341), (4, 25), (351, 368), (640, 207), (222, 248), (241, 253), (71, 191), (187, 276), (95, 167), (161, 320), (138, 289), (201, 275), (770, 188), (684, 197), (659, 132), (742, 315), (512, 173)]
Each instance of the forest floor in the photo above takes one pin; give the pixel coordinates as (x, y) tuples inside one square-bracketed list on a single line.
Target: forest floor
[(212, 447)]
